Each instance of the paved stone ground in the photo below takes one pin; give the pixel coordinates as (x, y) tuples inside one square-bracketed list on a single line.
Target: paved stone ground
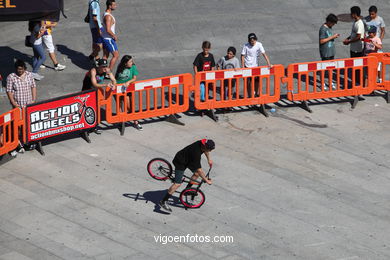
[(291, 186)]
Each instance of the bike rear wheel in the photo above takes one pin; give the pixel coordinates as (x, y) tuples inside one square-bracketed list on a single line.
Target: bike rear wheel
[(159, 169), (192, 198)]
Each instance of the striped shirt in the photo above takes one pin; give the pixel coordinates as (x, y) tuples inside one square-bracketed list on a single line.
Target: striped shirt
[(21, 88)]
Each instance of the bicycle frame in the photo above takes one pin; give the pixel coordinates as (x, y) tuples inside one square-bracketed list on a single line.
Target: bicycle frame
[(82, 103), (202, 181), (187, 179)]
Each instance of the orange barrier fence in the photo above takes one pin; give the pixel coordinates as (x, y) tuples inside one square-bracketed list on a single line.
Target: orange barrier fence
[(383, 80), (223, 89), (240, 87), (10, 123), (330, 79), (146, 99)]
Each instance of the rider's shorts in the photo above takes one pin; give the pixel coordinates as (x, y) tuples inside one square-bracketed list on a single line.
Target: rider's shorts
[(179, 176)]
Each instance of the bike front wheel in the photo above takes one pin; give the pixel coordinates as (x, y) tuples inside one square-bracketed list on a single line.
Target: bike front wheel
[(159, 169), (192, 198)]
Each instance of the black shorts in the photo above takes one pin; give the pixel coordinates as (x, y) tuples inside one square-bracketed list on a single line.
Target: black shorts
[(179, 176)]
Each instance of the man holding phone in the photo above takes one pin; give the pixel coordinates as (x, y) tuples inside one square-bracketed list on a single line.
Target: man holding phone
[(327, 47)]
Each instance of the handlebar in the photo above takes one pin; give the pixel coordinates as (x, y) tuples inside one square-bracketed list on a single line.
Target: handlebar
[(82, 99)]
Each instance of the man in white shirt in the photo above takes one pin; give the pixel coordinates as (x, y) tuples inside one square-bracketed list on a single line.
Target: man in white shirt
[(375, 20), (109, 36), (357, 34), (355, 40), (250, 58)]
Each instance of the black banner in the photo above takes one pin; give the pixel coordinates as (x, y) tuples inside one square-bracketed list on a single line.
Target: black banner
[(25, 10)]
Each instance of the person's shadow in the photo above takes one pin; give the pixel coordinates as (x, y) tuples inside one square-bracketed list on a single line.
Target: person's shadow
[(8, 57), (154, 197), (76, 57)]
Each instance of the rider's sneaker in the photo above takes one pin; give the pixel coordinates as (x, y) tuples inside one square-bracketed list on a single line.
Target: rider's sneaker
[(165, 206)]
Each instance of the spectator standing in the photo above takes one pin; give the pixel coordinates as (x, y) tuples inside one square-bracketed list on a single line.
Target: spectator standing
[(355, 40), (109, 36), (48, 42), (372, 43), (250, 58), (375, 20), (126, 74), (326, 36), (327, 46), (357, 34), (39, 53), (229, 61), (204, 61), (95, 77), (21, 88), (96, 28)]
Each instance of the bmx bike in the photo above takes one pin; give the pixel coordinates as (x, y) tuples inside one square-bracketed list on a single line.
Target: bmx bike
[(89, 112), (160, 169)]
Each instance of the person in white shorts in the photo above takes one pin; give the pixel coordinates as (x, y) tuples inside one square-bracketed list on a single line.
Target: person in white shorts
[(47, 39)]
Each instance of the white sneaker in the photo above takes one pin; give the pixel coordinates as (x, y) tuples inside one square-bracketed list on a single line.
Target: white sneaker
[(14, 153), (59, 67), (42, 66), (379, 81), (138, 126), (36, 76)]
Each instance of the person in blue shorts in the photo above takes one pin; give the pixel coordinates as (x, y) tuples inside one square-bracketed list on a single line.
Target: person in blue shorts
[(109, 36), (96, 27)]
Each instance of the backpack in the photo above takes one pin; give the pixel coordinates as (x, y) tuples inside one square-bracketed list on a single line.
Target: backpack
[(86, 19)]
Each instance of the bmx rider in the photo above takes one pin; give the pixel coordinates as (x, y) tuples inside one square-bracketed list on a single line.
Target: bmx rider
[(189, 157)]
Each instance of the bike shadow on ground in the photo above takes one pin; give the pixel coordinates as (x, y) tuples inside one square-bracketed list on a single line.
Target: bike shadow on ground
[(155, 197)]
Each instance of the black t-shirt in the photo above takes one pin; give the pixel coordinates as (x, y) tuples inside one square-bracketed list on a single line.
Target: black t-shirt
[(204, 63), (87, 82), (189, 157)]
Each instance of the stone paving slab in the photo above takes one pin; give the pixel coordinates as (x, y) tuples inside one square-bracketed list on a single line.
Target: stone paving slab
[(282, 194)]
